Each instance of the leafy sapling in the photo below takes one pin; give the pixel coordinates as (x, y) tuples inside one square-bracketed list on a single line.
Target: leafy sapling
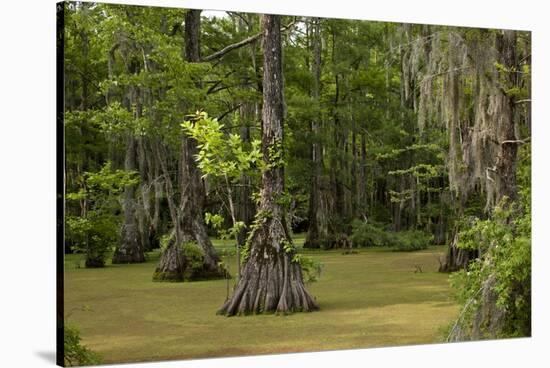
[(223, 156)]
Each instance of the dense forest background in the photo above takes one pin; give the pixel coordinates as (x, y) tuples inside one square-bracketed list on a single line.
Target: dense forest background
[(370, 134)]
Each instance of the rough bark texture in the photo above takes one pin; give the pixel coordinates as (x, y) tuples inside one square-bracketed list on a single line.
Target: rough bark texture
[(271, 281), (189, 224), (192, 35), (507, 157)]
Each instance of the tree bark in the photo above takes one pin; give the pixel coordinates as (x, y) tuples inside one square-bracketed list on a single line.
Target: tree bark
[(130, 249), (507, 157), (271, 281)]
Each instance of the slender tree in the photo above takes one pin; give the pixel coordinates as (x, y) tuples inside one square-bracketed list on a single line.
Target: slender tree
[(318, 207)]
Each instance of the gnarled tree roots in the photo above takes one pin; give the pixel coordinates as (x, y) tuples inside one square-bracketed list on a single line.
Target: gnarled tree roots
[(270, 281)]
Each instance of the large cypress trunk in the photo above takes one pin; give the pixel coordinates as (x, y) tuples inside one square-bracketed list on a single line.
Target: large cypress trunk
[(489, 318), (271, 281), (189, 224), (502, 152)]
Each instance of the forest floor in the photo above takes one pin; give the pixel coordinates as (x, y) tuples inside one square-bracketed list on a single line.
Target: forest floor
[(370, 299)]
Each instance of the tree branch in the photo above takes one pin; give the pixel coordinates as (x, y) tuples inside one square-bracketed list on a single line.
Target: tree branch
[(228, 112), (517, 141), (237, 45)]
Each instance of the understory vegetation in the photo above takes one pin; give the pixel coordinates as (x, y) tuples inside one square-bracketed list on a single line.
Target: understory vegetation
[(75, 354), (495, 290)]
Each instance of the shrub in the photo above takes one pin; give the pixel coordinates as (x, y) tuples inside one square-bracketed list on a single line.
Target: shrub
[(75, 354), (372, 234), (93, 236), (411, 240), (369, 234), (500, 280)]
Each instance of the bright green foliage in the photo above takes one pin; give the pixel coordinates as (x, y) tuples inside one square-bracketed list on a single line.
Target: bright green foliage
[(75, 354), (215, 220), (225, 157), (94, 231), (220, 154), (276, 156)]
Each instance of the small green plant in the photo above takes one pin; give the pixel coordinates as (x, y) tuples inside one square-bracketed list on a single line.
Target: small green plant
[(164, 242), (259, 219), (369, 234), (311, 268), (76, 354), (194, 259)]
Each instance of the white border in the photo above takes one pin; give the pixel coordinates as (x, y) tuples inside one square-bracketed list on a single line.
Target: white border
[(27, 181)]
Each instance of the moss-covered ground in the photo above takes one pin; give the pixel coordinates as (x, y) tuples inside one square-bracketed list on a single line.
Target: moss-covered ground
[(369, 299)]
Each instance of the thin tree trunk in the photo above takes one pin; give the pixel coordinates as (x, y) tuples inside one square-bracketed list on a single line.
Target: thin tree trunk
[(317, 235), (507, 156)]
